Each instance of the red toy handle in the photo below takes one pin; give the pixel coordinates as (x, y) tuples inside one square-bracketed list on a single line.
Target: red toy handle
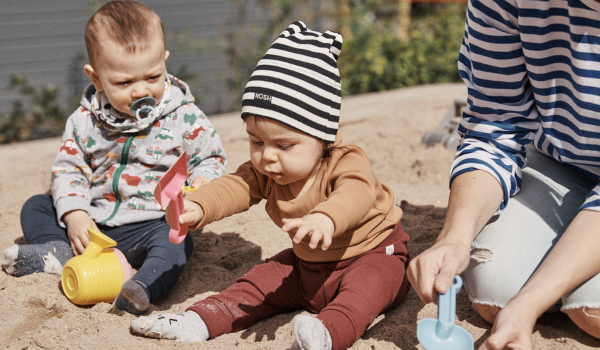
[(178, 231), (169, 195)]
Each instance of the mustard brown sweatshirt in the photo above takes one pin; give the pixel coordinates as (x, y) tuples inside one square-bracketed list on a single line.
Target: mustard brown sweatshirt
[(345, 189)]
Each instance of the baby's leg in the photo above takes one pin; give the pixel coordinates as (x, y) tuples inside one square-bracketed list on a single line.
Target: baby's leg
[(185, 327), (48, 247), (21, 260), (146, 244), (134, 298), (267, 289), (372, 284)]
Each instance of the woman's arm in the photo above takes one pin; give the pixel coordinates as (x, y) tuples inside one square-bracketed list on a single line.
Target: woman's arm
[(474, 198), (573, 260)]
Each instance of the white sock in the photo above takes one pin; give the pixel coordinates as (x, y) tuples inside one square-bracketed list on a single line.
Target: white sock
[(185, 327), (10, 255), (310, 334)]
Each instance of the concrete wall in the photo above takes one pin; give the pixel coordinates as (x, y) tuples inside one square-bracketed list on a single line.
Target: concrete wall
[(41, 40)]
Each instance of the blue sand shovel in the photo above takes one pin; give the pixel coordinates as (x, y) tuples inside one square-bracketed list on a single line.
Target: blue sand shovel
[(443, 334)]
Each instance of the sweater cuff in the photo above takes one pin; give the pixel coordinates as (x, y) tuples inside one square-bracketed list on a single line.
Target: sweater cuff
[(64, 205)]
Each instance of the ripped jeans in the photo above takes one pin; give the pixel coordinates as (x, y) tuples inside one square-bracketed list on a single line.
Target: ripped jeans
[(512, 245)]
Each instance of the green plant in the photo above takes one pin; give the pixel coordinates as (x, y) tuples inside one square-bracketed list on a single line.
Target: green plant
[(40, 117), (246, 43), (374, 59)]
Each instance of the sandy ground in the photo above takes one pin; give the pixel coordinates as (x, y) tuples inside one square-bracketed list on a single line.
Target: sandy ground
[(389, 126)]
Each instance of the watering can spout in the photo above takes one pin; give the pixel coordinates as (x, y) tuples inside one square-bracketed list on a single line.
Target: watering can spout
[(98, 242)]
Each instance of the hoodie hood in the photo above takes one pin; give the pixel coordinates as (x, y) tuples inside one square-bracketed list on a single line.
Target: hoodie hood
[(177, 93)]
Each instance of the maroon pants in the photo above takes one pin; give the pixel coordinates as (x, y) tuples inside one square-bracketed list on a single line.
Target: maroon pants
[(347, 295)]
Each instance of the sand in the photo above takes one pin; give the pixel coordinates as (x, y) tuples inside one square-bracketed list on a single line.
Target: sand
[(389, 126)]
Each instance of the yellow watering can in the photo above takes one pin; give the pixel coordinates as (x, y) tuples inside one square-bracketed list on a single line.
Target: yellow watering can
[(96, 275)]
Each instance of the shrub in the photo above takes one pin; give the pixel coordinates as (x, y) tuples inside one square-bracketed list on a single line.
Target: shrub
[(374, 59), (41, 117)]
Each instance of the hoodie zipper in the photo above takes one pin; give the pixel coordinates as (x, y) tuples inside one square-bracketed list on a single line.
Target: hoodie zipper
[(117, 176)]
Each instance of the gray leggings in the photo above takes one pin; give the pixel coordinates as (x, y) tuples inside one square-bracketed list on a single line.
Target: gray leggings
[(512, 245)]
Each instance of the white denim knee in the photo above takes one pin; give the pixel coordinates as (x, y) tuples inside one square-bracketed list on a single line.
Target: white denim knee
[(512, 245), (586, 296)]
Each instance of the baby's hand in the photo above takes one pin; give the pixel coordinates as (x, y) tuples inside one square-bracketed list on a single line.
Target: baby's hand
[(192, 213), (77, 222), (317, 226), (197, 182)]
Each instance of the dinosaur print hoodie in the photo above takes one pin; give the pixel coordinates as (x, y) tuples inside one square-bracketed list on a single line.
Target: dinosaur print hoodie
[(112, 172)]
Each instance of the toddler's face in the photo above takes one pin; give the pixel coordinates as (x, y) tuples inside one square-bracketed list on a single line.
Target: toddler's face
[(125, 77), (284, 154)]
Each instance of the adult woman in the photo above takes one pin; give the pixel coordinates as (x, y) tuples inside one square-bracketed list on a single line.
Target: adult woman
[(530, 130)]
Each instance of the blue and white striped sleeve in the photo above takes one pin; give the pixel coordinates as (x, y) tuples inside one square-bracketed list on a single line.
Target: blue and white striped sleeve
[(500, 117), (592, 202)]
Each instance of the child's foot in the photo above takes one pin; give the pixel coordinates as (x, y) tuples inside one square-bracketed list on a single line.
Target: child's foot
[(185, 327), (21, 260), (310, 334), (133, 298)]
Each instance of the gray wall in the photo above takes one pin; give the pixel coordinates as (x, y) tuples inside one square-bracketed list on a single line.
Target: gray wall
[(40, 39)]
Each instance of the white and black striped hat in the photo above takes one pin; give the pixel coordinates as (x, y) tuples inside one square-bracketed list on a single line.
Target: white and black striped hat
[(297, 82)]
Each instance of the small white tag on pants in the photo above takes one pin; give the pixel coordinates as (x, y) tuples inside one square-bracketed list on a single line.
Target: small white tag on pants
[(389, 250)]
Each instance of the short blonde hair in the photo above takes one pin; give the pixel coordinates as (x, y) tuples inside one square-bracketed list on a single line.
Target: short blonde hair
[(128, 24)]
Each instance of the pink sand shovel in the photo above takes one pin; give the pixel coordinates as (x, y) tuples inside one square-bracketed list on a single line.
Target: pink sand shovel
[(169, 195), (443, 334)]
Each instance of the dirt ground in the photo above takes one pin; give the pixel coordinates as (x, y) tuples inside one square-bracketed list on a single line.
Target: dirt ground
[(389, 126)]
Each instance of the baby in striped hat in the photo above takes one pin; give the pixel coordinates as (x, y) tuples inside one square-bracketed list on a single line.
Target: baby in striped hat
[(348, 256)]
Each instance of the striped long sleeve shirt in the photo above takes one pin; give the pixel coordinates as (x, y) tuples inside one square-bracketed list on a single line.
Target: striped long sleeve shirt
[(532, 69)]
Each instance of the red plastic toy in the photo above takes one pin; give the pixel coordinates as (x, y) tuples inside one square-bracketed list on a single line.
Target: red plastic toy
[(169, 194)]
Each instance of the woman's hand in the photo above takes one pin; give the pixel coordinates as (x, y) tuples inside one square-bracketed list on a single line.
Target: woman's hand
[(319, 227), (77, 222), (433, 271), (573, 260), (512, 328)]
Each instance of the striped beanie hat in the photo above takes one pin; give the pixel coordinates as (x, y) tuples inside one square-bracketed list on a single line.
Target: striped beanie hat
[(297, 82)]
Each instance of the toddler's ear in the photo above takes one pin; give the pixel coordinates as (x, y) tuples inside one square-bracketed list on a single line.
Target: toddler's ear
[(167, 53), (89, 70)]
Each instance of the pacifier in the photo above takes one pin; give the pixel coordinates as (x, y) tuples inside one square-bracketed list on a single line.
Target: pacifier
[(143, 109)]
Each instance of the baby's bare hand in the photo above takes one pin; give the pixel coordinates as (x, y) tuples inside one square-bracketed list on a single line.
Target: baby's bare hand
[(192, 213), (77, 222), (197, 182), (319, 227)]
